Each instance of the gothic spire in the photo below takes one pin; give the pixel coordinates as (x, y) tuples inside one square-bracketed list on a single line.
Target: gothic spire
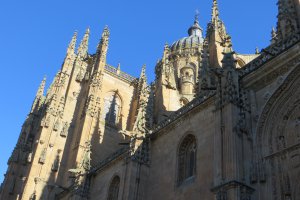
[(288, 21), (41, 89), (102, 50), (218, 38), (166, 51), (142, 81), (39, 96), (215, 12), (143, 94), (71, 47), (83, 47), (104, 39), (142, 84), (216, 22), (143, 74)]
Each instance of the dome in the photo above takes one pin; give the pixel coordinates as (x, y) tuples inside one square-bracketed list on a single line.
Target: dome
[(194, 40)]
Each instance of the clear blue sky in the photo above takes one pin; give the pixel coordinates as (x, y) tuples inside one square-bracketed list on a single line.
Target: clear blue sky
[(34, 36)]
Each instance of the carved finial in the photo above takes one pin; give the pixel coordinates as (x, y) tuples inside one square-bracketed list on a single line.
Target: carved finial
[(166, 46), (166, 51), (227, 44), (106, 32), (83, 47), (104, 39), (215, 12), (118, 68), (142, 97), (216, 25), (41, 89), (273, 32), (71, 47), (256, 50), (273, 35), (143, 73)]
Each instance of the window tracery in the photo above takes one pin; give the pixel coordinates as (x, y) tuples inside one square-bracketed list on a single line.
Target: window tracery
[(187, 159)]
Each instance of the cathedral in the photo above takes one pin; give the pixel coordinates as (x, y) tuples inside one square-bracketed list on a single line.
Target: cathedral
[(214, 125)]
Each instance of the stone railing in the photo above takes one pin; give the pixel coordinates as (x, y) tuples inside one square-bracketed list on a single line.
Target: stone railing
[(119, 74), (182, 111), (269, 53)]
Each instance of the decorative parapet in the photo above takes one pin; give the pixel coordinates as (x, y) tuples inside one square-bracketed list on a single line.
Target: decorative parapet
[(182, 111), (269, 53), (115, 72), (118, 154)]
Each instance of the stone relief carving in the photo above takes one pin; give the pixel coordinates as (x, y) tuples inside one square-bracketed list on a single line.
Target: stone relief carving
[(65, 128), (277, 140), (42, 158)]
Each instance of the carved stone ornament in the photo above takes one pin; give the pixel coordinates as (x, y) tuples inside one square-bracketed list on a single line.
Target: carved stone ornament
[(55, 164), (42, 158), (56, 125), (45, 121), (277, 145), (64, 131), (80, 75), (92, 106)]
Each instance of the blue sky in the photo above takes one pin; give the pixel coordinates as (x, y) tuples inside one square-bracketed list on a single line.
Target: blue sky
[(34, 36)]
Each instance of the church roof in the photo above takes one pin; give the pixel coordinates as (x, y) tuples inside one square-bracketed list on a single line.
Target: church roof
[(194, 40)]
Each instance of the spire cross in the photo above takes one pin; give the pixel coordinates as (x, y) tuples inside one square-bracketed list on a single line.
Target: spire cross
[(197, 16)]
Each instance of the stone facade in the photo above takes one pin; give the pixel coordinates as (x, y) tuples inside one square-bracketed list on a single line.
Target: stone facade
[(215, 124)]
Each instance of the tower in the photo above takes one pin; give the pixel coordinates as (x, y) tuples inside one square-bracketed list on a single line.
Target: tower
[(177, 72)]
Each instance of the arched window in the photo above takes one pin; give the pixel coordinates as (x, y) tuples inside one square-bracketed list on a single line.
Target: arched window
[(112, 108), (187, 159), (114, 189)]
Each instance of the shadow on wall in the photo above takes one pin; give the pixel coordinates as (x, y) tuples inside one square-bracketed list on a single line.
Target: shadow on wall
[(105, 140)]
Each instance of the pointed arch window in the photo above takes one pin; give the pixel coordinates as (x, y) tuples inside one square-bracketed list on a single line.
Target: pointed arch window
[(113, 190), (112, 108), (187, 159)]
